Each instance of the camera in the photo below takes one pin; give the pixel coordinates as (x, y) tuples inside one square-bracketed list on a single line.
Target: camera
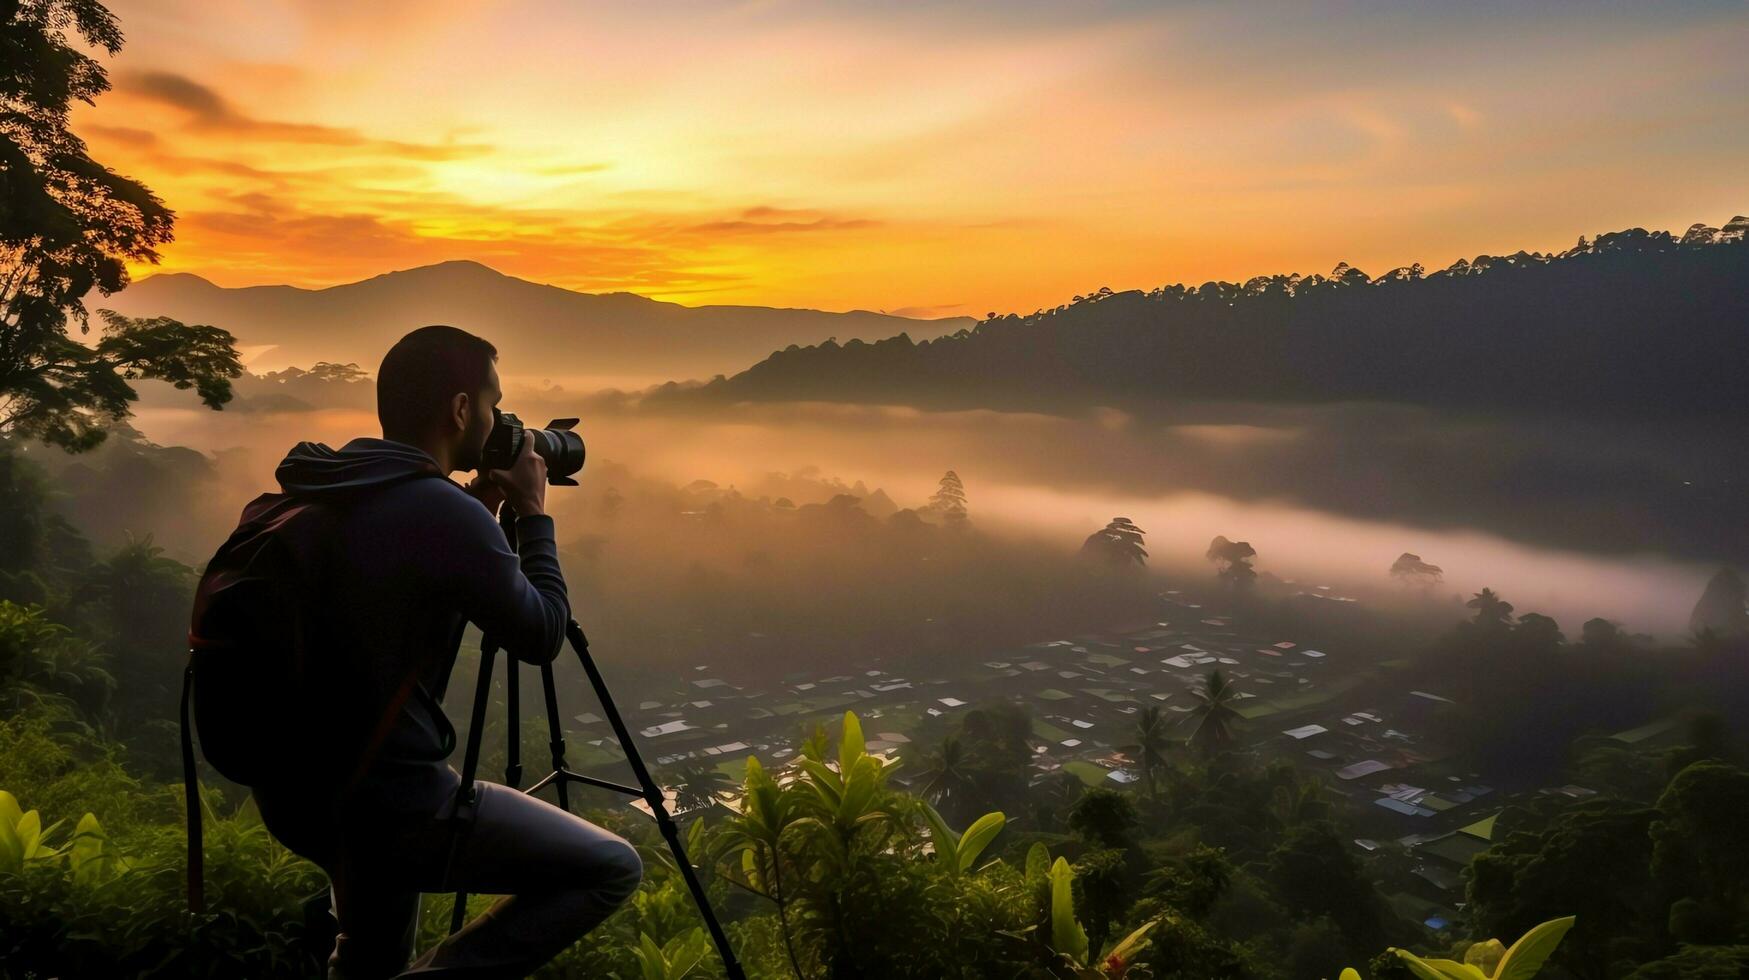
[(558, 444)]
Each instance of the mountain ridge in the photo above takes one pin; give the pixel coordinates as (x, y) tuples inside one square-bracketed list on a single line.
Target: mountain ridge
[(530, 322), (1580, 330)]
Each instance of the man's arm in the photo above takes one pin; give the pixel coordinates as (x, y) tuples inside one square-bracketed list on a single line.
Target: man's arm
[(518, 600)]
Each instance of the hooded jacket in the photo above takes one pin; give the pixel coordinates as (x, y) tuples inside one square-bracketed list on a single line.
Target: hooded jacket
[(412, 558)]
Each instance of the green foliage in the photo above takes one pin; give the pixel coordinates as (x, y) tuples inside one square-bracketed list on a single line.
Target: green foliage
[(69, 225), (1522, 961), (673, 960), (958, 853)]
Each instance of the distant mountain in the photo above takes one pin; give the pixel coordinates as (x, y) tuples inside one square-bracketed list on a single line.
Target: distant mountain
[(538, 329), (1637, 324)]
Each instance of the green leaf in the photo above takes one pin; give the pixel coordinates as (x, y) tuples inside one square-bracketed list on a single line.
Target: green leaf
[(945, 840), (978, 836), (10, 811), (651, 962), (1067, 936), (1532, 950), (684, 953), (11, 849), (1038, 862), (1127, 948), (850, 742), (1349, 973), (1438, 969)]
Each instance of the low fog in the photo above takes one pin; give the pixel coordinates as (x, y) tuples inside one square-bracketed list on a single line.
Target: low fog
[(1329, 497)]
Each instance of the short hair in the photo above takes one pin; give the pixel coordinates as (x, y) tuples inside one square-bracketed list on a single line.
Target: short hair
[(424, 370)]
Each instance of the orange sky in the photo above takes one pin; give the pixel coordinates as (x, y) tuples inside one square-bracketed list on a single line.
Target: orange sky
[(923, 158)]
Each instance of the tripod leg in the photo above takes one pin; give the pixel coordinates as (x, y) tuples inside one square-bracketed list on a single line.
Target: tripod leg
[(556, 730), (658, 805), (467, 795), (513, 724)]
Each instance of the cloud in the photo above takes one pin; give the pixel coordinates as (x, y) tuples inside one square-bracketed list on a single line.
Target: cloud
[(208, 111), (766, 220)]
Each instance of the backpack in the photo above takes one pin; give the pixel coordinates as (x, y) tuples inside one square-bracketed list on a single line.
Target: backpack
[(261, 654)]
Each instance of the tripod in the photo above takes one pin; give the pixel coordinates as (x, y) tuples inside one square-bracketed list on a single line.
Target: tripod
[(562, 777)]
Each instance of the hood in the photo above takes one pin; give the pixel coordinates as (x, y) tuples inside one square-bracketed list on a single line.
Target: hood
[(312, 467)]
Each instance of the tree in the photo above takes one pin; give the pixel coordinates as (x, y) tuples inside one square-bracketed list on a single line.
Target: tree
[(698, 785), (1152, 741), (1600, 634), (69, 225), (1411, 570), (949, 500), (1118, 544), (1537, 632), (1104, 818), (1214, 715), (1315, 875), (1232, 561), (1698, 845), (1491, 610), (1590, 861), (947, 775)]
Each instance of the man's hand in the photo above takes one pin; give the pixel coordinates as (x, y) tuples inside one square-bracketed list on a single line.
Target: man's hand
[(486, 492), (524, 484)]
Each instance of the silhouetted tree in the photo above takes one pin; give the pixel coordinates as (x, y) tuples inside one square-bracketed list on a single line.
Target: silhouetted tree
[(1600, 634), (1118, 544), (949, 500), (1214, 715), (1232, 561), (69, 225), (1491, 610), (1411, 570), (947, 774), (697, 784), (1104, 817), (1153, 738)]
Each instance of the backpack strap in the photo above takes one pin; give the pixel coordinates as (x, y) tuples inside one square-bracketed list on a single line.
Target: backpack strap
[(191, 798)]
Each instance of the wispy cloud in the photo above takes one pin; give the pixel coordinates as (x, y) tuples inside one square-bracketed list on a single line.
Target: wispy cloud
[(210, 112)]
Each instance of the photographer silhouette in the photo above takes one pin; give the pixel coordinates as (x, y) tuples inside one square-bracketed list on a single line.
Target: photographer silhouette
[(324, 634)]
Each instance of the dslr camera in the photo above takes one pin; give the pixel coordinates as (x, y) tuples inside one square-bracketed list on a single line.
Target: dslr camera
[(558, 444)]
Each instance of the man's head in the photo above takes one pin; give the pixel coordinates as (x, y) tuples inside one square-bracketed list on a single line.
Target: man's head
[(436, 390)]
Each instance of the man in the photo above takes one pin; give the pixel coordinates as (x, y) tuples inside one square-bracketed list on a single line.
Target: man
[(408, 558)]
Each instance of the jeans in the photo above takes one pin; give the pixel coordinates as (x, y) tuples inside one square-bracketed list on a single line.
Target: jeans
[(560, 874)]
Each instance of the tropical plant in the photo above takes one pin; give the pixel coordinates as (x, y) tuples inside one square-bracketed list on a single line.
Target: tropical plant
[(1214, 716), (673, 960), (757, 836), (1491, 960), (1491, 610), (958, 853), (1071, 956), (1153, 738), (948, 773), (699, 785)]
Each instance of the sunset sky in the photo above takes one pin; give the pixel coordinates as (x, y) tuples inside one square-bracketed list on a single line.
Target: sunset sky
[(929, 159)]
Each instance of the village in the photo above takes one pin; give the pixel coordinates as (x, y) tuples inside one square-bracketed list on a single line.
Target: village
[(1420, 816)]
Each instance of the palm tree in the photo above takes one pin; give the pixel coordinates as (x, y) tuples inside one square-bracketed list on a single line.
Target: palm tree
[(1491, 610), (1152, 741), (698, 785), (1214, 715), (768, 813), (948, 777), (1053, 796)]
